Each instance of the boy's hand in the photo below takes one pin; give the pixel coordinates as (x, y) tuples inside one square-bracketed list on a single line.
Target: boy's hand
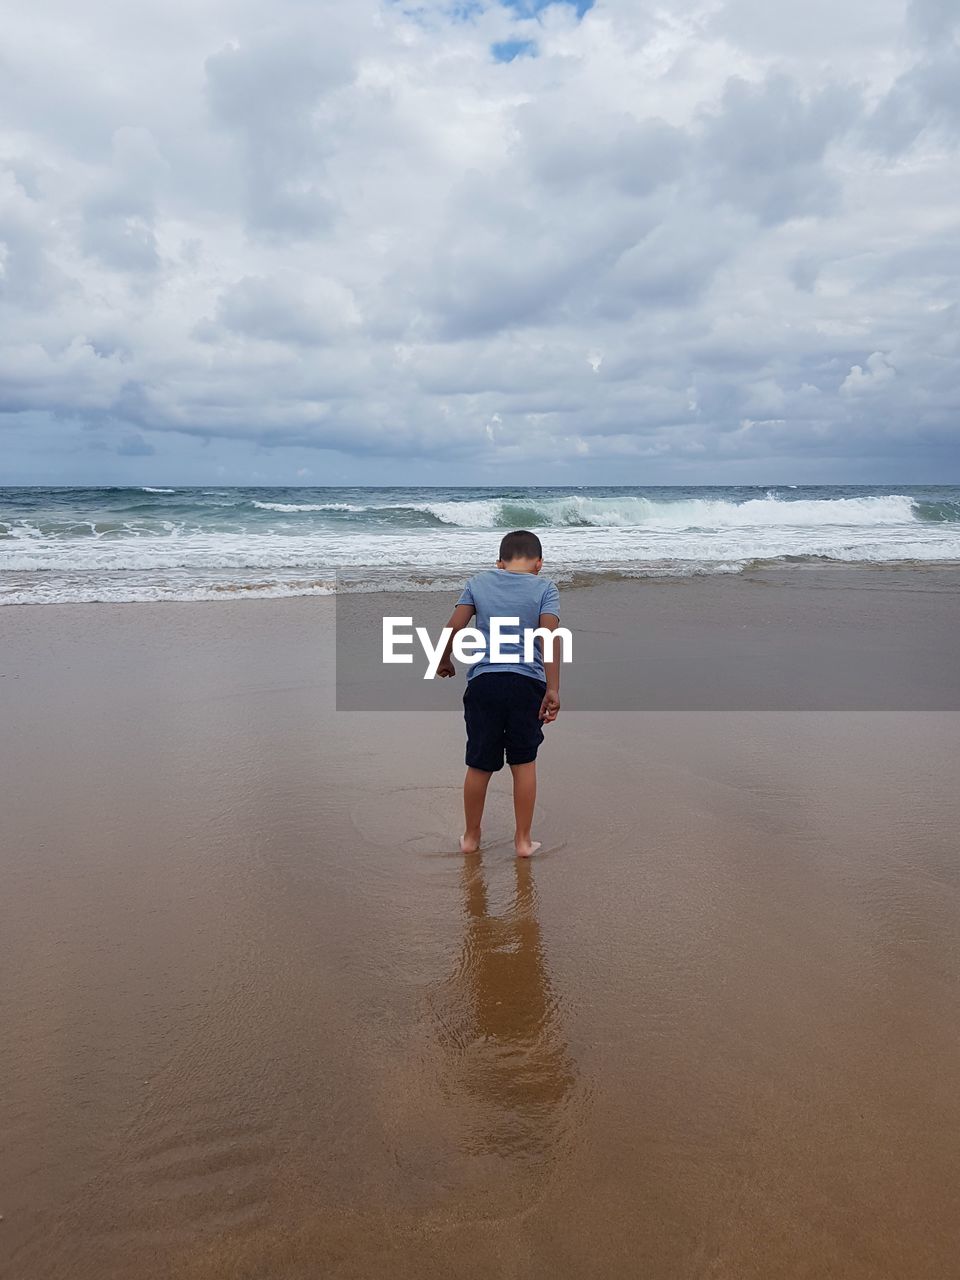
[(550, 707), (458, 620)]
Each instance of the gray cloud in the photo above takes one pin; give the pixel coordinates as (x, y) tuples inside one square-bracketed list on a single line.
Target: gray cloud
[(925, 100), (933, 20), (288, 309), (765, 148), (671, 241), (264, 94), (134, 446), (562, 145)]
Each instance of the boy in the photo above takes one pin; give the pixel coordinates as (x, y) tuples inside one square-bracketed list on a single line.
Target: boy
[(505, 703)]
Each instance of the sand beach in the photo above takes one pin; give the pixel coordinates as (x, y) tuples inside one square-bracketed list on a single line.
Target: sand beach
[(260, 1020)]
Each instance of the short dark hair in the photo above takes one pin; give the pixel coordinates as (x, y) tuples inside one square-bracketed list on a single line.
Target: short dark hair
[(521, 545)]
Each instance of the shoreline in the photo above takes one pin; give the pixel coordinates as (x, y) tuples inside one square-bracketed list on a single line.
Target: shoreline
[(567, 578)]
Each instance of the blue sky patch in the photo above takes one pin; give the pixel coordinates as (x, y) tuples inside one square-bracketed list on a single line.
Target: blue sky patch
[(529, 7), (507, 50)]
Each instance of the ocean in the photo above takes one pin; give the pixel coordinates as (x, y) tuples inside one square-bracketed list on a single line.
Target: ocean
[(153, 543)]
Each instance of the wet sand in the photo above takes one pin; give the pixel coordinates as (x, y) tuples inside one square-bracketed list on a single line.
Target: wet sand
[(260, 1021)]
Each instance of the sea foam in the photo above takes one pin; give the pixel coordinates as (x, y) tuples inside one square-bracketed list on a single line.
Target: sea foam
[(81, 545)]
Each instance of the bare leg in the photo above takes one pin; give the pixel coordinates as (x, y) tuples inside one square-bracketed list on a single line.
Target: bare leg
[(524, 801), (474, 795)]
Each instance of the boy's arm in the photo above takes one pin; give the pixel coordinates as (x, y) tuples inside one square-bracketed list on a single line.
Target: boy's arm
[(459, 619), (550, 706)]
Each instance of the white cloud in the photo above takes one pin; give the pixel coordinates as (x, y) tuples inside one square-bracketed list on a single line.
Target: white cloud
[(860, 380), (350, 227)]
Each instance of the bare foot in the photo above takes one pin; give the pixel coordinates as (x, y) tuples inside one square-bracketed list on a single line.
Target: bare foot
[(469, 843), (526, 847)]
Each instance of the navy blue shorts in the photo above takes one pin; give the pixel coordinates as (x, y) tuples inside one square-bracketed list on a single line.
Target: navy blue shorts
[(502, 711)]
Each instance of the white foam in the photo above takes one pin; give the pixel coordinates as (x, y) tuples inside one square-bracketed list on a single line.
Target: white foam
[(634, 511), (694, 513), (244, 555), (480, 514), (148, 489)]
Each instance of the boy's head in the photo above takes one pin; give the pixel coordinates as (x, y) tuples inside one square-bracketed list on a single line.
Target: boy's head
[(521, 551)]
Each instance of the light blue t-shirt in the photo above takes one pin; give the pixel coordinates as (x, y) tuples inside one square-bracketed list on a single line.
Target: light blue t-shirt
[(498, 593)]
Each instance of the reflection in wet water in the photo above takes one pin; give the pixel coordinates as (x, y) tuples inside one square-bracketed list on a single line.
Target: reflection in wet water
[(501, 1026)]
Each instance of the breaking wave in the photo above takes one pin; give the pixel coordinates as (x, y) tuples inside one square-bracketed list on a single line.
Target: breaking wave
[(635, 511), (695, 513), (129, 544)]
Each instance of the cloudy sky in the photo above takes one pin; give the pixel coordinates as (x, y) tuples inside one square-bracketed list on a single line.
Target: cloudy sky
[(367, 241)]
